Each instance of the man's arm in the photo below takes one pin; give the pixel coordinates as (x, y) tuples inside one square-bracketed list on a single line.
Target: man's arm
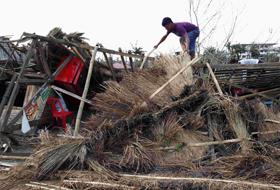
[(162, 40)]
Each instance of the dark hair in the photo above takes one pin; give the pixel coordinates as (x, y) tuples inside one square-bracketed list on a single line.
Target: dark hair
[(166, 20)]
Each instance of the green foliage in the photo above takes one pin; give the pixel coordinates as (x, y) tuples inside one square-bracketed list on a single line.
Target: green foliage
[(255, 53), (215, 56), (235, 50), (271, 58), (136, 49)]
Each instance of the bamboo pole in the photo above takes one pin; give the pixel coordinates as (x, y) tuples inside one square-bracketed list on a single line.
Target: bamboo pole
[(215, 79), (39, 187), (99, 184), (82, 103), (203, 180), (48, 185), (258, 93), (72, 95), (146, 57), (4, 157)]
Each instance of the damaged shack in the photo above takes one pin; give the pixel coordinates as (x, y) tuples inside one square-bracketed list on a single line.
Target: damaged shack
[(175, 124)]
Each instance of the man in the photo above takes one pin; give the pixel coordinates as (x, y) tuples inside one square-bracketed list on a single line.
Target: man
[(187, 32)]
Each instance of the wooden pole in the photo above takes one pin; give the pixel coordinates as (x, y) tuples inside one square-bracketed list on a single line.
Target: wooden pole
[(72, 95), (123, 61), (98, 185), (254, 185), (258, 93), (131, 62), (146, 57), (215, 79), (7, 95), (3, 157), (43, 60), (38, 185), (110, 66), (82, 103)]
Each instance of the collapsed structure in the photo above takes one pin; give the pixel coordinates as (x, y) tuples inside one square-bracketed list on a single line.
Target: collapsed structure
[(161, 128)]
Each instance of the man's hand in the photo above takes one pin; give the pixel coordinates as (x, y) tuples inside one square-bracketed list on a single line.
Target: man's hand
[(156, 46)]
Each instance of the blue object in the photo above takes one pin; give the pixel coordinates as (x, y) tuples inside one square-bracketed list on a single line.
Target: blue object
[(192, 37), (268, 103)]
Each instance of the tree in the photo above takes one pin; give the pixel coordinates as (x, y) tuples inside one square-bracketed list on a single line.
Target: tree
[(235, 50), (213, 55), (136, 49), (255, 53)]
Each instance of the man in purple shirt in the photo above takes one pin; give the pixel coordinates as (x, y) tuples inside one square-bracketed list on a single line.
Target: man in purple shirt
[(187, 32)]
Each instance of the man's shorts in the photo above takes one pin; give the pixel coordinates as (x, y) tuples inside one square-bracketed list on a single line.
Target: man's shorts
[(193, 35)]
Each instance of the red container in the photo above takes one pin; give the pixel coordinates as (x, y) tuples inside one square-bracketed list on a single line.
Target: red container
[(72, 76)]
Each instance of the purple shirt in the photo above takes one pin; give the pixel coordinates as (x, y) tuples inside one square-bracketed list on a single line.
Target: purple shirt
[(181, 28)]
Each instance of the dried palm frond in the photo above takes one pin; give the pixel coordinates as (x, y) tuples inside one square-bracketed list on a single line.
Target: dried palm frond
[(267, 124), (168, 130), (51, 159), (137, 158), (247, 167)]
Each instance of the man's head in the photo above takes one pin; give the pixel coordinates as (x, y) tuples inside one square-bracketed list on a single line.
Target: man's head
[(168, 24)]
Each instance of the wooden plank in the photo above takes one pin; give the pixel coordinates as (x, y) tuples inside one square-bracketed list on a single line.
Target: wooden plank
[(30, 92), (32, 81), (245, 66), (43, 60)]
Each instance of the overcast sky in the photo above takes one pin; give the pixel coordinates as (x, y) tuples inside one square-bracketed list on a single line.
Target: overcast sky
[(118, 23)]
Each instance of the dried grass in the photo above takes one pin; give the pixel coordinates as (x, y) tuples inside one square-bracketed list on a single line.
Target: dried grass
[(265, 125), (137, 158), (237, 123)]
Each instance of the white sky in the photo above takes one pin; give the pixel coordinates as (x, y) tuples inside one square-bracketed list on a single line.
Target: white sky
[(118, 23)]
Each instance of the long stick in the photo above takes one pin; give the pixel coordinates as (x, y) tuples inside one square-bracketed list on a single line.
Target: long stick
[(48, 185), (258, 93), (203, 180), (215, 79), (72, 95), (82, 103), (98, 184), (4, 157), (146, 57)]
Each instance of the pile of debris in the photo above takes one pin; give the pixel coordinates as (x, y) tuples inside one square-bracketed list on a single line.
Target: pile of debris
[(151, 132)]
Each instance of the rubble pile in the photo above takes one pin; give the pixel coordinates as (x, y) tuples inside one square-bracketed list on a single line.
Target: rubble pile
[(185, 137)]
